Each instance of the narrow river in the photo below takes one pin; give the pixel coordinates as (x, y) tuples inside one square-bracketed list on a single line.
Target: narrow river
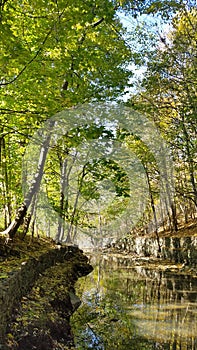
[(136, 304)]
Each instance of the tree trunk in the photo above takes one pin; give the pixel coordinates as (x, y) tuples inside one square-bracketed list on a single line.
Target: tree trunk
[(73, 217), (153, 209), (27, 221), (167, 184), (63, 200), (5, 182), (29, 217), (34, 188)]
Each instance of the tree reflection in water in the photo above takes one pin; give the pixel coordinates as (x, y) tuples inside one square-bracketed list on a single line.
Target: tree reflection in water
[(132, 307)]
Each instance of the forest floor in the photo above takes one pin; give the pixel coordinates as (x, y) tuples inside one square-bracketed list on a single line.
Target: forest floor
[(14, 252), (185, 230)]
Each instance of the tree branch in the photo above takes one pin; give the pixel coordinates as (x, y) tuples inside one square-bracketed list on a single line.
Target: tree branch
[(28, 63), (94, 25), (10, 111)]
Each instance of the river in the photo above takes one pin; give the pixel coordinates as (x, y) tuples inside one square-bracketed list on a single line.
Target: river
[(136, 304)]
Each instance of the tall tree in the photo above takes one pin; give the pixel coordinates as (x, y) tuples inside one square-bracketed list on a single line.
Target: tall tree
[(169, 97)]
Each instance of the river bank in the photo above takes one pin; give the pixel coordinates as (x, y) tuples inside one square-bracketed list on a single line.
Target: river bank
[(37, 294), (178, 247)]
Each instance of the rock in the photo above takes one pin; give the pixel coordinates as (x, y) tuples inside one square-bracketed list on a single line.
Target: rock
[(75, 301)]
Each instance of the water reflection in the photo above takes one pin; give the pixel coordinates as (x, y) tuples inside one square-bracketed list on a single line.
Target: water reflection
[(126, 306)]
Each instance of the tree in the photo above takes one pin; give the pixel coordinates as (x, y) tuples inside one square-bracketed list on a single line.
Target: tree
[(57, 55), (169, 97)]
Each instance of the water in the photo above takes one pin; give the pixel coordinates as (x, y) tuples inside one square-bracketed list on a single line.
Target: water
[(129, 304)]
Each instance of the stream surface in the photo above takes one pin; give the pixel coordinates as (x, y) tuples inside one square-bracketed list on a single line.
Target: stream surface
[(136, 304)]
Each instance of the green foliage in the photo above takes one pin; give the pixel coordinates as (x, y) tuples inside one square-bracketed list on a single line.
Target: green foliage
[(170, 98), (108, 169), (55, 55), (60, 54), (87, 187)]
